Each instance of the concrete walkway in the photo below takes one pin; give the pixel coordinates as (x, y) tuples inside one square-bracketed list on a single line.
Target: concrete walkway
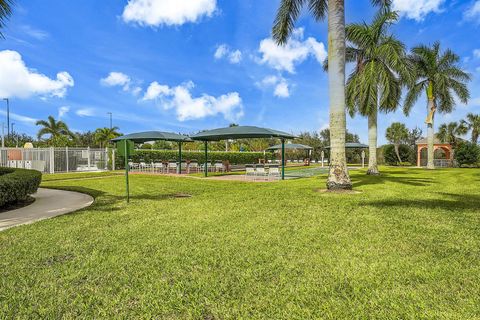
[(48, 203)]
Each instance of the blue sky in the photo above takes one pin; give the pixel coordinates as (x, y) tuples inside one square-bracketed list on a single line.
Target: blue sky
[(176, 66)]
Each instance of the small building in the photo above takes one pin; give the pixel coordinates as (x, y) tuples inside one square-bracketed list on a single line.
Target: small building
[(442, 153)]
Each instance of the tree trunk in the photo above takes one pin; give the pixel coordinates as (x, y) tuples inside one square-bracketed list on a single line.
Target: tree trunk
[(338, 177), (430, 137), (372, 144), (474, 136), (397, 152)]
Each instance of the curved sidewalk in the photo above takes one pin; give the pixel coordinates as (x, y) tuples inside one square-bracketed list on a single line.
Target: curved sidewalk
[(48, 203)]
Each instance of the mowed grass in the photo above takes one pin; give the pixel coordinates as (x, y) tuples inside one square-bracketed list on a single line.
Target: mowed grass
[(406, 247)]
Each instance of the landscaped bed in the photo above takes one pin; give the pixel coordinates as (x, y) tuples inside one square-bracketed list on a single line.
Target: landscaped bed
[(16, 185), (407, 246)]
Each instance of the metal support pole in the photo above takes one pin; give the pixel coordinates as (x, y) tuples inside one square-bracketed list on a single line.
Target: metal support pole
[(127, 187), (8, 117), (179, 157), (88, 157), (206, 158), (113, 159), (283, 159), (3, 135), (66, 157), (52, 160)]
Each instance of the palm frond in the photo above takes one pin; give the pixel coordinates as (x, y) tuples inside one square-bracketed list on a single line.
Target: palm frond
[(284, 23)]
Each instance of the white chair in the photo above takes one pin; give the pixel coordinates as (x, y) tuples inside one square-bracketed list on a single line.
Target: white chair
[(273, 172), (133, 166), (143, 166), (219, 166), (157, 167), (260, 171), (172, 165), (250, 171), (193, 167)]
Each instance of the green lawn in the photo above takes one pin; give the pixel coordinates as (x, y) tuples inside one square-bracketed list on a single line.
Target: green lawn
[(406, 247)]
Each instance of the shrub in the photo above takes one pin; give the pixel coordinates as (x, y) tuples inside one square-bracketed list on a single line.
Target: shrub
[(407, 154), (467, 153), (17, 184), (167, 155)]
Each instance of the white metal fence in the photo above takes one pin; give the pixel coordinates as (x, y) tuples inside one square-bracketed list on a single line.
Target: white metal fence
[(55, 160)]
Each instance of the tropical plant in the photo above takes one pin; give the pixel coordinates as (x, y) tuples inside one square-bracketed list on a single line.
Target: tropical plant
[(374, 85), (287, 14), (473, 123), (5, 13), (104, 135), (437, 74), (405, 152), (396, 134), (450, 133), (413, 136), (53, 128), (467, 153)]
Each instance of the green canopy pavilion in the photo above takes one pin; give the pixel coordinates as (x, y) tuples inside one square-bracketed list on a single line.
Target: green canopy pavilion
[(294, 146), (242, 132), (142, 137)]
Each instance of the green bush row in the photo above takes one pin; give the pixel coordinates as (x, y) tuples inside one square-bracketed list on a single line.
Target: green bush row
[(17, 184), (167, 155)]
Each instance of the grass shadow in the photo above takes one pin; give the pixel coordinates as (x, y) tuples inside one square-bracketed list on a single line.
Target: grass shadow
[(445, 201), (364, 180)]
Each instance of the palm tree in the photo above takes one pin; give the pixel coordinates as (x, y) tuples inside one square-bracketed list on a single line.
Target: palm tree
[(5, 13), (284, 23), (53, 128), (438, 75), (473, 123), (374, 84), (104, 135), (449, 133), (396, 134)]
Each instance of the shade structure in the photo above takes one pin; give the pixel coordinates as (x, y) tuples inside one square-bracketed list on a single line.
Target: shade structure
[(353, 145), (141, 137), (242, 132), (290, 146)]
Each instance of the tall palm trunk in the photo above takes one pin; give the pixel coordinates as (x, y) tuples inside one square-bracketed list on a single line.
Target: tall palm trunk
[(372, 144), (397, 152), (338, 177), (430, 128)]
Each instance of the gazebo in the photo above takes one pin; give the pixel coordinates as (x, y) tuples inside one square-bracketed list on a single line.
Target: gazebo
[(422, 144), (242, 132), (142, 137)]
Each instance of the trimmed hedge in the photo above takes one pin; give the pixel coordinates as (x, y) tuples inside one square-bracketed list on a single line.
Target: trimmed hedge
[(17, 184), (166, 155)]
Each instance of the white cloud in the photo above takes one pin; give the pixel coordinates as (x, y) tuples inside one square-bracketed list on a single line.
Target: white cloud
[(476, 53), (116, 79), (119, 79), (281, 90), (417, 9), (187, 107), (473, 12), (62, 111), (155, 90), (295, 51), (16, 80), (279, 84), (167, 12), (223, 51), (18, 117), (33, 32), (85, 112)]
